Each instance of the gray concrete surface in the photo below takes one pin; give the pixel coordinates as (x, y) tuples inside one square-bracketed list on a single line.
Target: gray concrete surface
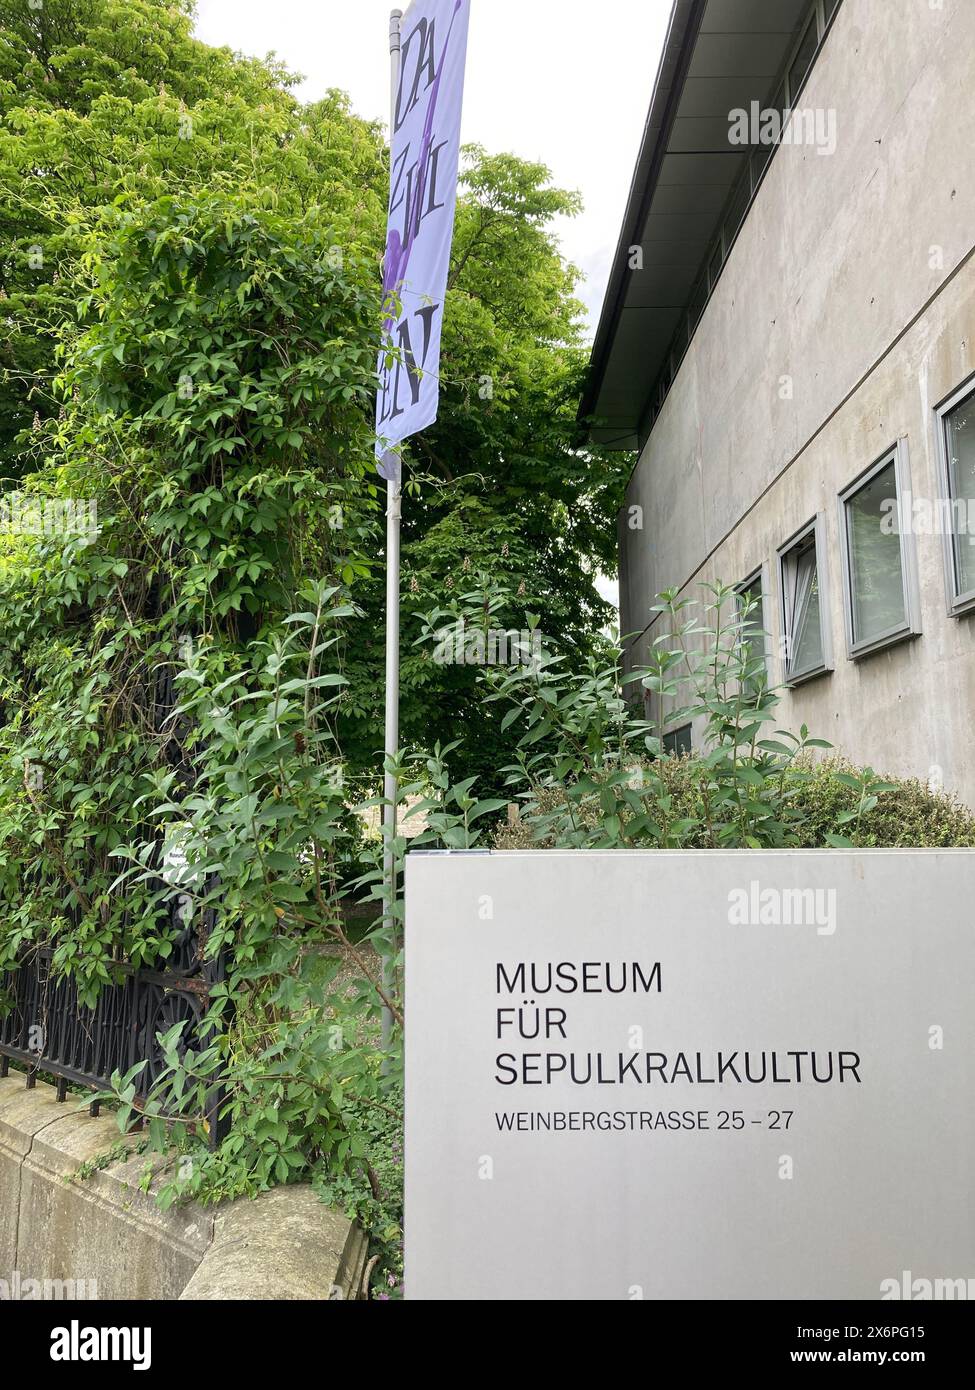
[(844, 316), (286, 1244), (103, 1237)]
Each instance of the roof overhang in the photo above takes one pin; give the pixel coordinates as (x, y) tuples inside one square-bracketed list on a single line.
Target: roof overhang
[(719, 55)]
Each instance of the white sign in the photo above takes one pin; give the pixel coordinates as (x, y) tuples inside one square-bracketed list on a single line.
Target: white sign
[(425, 155), (672, 1075)]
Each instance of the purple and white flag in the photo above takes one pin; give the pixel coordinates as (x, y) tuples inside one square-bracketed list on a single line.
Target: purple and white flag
[(425, 155)]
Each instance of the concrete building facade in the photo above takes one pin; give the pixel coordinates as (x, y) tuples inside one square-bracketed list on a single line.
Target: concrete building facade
[(788, 341)]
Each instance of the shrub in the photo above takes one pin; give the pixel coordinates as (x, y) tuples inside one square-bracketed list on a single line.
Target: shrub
[(591, 770), (908, 815)]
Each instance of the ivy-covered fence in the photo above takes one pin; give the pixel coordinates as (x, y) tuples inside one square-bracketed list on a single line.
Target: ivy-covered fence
[(45, 1024), (48, 1029)]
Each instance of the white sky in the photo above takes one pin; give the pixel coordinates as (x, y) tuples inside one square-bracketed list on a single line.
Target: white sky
[(564, 82)]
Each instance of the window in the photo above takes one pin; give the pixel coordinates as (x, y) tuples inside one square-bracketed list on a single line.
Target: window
[(760, 158), (739, 206), (780, 103), (678, 742), (878, 560), (714, 269), (805, 619), (829, 7), (957, 512), (698, 301), (754, 632), (803, 59)]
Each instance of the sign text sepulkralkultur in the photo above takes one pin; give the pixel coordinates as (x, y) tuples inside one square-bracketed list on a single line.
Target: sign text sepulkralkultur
[(646, 1074), (525, 1019)]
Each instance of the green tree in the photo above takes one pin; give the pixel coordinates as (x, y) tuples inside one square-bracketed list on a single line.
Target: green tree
[(111, 104), (112, 108), (507, 488), (191, 314), (214, 413)]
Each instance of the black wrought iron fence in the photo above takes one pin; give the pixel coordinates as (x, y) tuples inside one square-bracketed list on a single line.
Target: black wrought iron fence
[(46, 1029)]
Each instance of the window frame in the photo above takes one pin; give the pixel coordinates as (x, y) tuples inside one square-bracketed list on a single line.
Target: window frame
[(716, 259), (817, 529), (759, 577), (959, 603), (677, 752), (856, 648), (815, 23)]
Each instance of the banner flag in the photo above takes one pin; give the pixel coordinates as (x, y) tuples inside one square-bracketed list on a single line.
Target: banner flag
[(425, 156)]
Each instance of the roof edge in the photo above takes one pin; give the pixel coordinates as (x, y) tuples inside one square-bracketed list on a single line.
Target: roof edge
[(686, 19)]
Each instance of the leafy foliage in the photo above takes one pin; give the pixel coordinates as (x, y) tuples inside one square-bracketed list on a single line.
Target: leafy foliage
[(909, 815), (589, 761), (111, 104), (190, 685), (591, 768), (113, 108), (212, 502), (190, 681)]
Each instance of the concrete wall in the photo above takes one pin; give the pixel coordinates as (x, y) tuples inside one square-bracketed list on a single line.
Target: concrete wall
[(853, 277), (103, 1237)]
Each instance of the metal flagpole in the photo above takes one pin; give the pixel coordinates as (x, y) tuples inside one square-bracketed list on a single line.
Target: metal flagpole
[(393, 504)]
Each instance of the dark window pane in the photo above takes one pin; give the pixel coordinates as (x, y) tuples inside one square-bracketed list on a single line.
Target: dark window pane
[(808, 636), (698, 300), (830, 8), (739, 204), (876, 575), (714, 269), (751, 607), (800, 575), (678, 742), (803, 59), (960, 431)]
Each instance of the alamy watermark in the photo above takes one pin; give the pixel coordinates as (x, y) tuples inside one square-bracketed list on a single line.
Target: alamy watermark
[(78, 1343), (19, 1288), (756, 906), (461, 645), (25, 515), (913, 1289), (814, 126), (911, 515)]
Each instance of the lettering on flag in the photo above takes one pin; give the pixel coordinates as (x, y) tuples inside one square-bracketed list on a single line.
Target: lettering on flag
[(425, 157)]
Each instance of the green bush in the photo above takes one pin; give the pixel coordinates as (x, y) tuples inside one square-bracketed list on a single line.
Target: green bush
[(909, 815), (590, 768)]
